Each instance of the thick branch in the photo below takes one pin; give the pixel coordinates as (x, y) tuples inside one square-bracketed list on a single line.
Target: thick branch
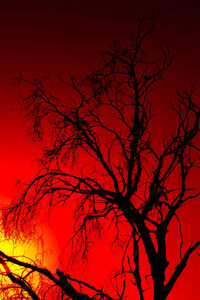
[(180, 267)]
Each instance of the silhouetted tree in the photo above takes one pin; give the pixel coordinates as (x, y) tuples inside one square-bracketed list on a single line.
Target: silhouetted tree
[(105, 125)]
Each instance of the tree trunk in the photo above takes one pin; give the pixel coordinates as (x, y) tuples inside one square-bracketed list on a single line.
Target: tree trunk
[(158, 281)]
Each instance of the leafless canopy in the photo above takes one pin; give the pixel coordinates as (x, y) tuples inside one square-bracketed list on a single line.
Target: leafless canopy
[(99, 153)]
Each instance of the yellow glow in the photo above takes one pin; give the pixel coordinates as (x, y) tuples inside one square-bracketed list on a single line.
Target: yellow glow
[(42, 252)]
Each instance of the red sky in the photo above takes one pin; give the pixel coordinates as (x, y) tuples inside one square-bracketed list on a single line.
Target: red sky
[(66, 36)]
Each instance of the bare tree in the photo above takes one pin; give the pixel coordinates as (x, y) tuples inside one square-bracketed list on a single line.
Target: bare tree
[(106, 125)]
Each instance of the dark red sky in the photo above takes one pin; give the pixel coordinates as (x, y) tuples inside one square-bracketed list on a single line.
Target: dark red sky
[(66, 36)]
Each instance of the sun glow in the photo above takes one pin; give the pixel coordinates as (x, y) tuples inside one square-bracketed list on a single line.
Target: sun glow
[(41, 252)]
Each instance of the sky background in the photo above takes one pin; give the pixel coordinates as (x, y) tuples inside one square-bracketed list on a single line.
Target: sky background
[(39, 38)]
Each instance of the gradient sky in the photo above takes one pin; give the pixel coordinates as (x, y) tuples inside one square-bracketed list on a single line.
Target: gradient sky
[(66, 36)]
